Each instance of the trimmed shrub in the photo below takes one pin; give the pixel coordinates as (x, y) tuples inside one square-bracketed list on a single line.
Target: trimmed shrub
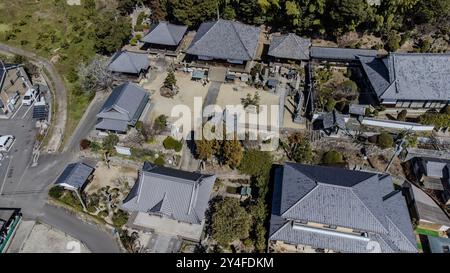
[(56, 192), (160, 161), (332, 157), (84, 144), (120, 218), (402, 115), (385, 140), (172, 144)]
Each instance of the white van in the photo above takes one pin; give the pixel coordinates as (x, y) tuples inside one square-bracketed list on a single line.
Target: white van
[(6, 142), (29, 97)]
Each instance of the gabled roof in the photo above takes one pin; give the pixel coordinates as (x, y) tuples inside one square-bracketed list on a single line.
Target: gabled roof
[(436, 167), (409, 76), (128, 62), (289, 46), (165, 33), (125, 104), (332, 196), (439, 244), (225, 39), (177, 194), (75, 175)]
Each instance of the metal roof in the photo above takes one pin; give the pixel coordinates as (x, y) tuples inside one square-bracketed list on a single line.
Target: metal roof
[(75, 175), (409, 76), (165, 33), (342, 54), (129, 62), (224, 39), (289, 46), (333, 196), (177, 194), (125, 103)]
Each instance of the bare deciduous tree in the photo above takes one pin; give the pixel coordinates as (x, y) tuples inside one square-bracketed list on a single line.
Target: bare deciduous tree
[(95, 76)]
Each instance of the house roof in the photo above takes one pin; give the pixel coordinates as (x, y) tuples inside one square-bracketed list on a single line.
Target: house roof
[(223, 39), (289, 46), (75, 175), (436, 167), (356, 200), (165, 33), (125, 104), (128, 62), (180, 195), (409, 76), (439, 244), (426, 207), (332, 119), (343, 54), (4, 67)]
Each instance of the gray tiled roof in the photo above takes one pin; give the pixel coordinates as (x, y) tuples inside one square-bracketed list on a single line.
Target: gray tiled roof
[(75, 174), (436, 167), (225, 39), (125, 104), (165, 33), (332, 119), (180, 195), (128, 62), (409, 76), (336, 53), (333, 196), (289, 46)]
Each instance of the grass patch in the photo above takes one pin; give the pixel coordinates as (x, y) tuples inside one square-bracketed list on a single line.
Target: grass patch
[(428, 232)]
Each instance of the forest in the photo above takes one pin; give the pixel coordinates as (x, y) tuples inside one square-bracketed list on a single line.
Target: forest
[(314, 18)]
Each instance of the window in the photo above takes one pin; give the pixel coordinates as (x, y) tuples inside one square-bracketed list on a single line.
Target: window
[(330, 226)]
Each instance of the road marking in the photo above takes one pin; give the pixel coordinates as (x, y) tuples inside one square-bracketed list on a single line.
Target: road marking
[(17, 111), (6, 174), (31, 106)]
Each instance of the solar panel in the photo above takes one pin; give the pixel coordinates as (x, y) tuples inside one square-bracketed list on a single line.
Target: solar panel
[(40, 112)]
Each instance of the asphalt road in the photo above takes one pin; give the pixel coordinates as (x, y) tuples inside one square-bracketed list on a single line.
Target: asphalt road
[(96, 241)]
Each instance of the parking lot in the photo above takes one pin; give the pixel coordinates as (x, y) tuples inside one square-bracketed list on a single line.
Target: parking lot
[(17, 159)]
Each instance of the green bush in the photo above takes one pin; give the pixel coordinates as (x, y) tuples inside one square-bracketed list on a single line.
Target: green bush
[(331, 103), (120, 218), (110, 141), (56, 192), (332, 157), (94, 146), (393, 41), (160, 161), (172, 144), (385, 140)]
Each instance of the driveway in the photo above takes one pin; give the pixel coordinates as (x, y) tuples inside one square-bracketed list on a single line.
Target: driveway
[(161, 243)]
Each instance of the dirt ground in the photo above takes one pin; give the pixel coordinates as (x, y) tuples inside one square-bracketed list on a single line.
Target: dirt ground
[(188, 89), (110, 177), (46, 239)]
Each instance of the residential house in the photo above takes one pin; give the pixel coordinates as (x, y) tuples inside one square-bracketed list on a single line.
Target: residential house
[(9, 221), (434, 173), (14, 82), (164, 36), (128, 65), (123, 108), (409, 80), (330, 122), (326, 209), (424, 210), (289, 47), (170, 201), (227, 42)]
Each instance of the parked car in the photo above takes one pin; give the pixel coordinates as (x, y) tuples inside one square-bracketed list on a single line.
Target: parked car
[(6, 142), (30, 96)]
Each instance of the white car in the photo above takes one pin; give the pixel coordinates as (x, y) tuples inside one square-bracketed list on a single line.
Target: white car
[(6, 142), (29, 97)]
